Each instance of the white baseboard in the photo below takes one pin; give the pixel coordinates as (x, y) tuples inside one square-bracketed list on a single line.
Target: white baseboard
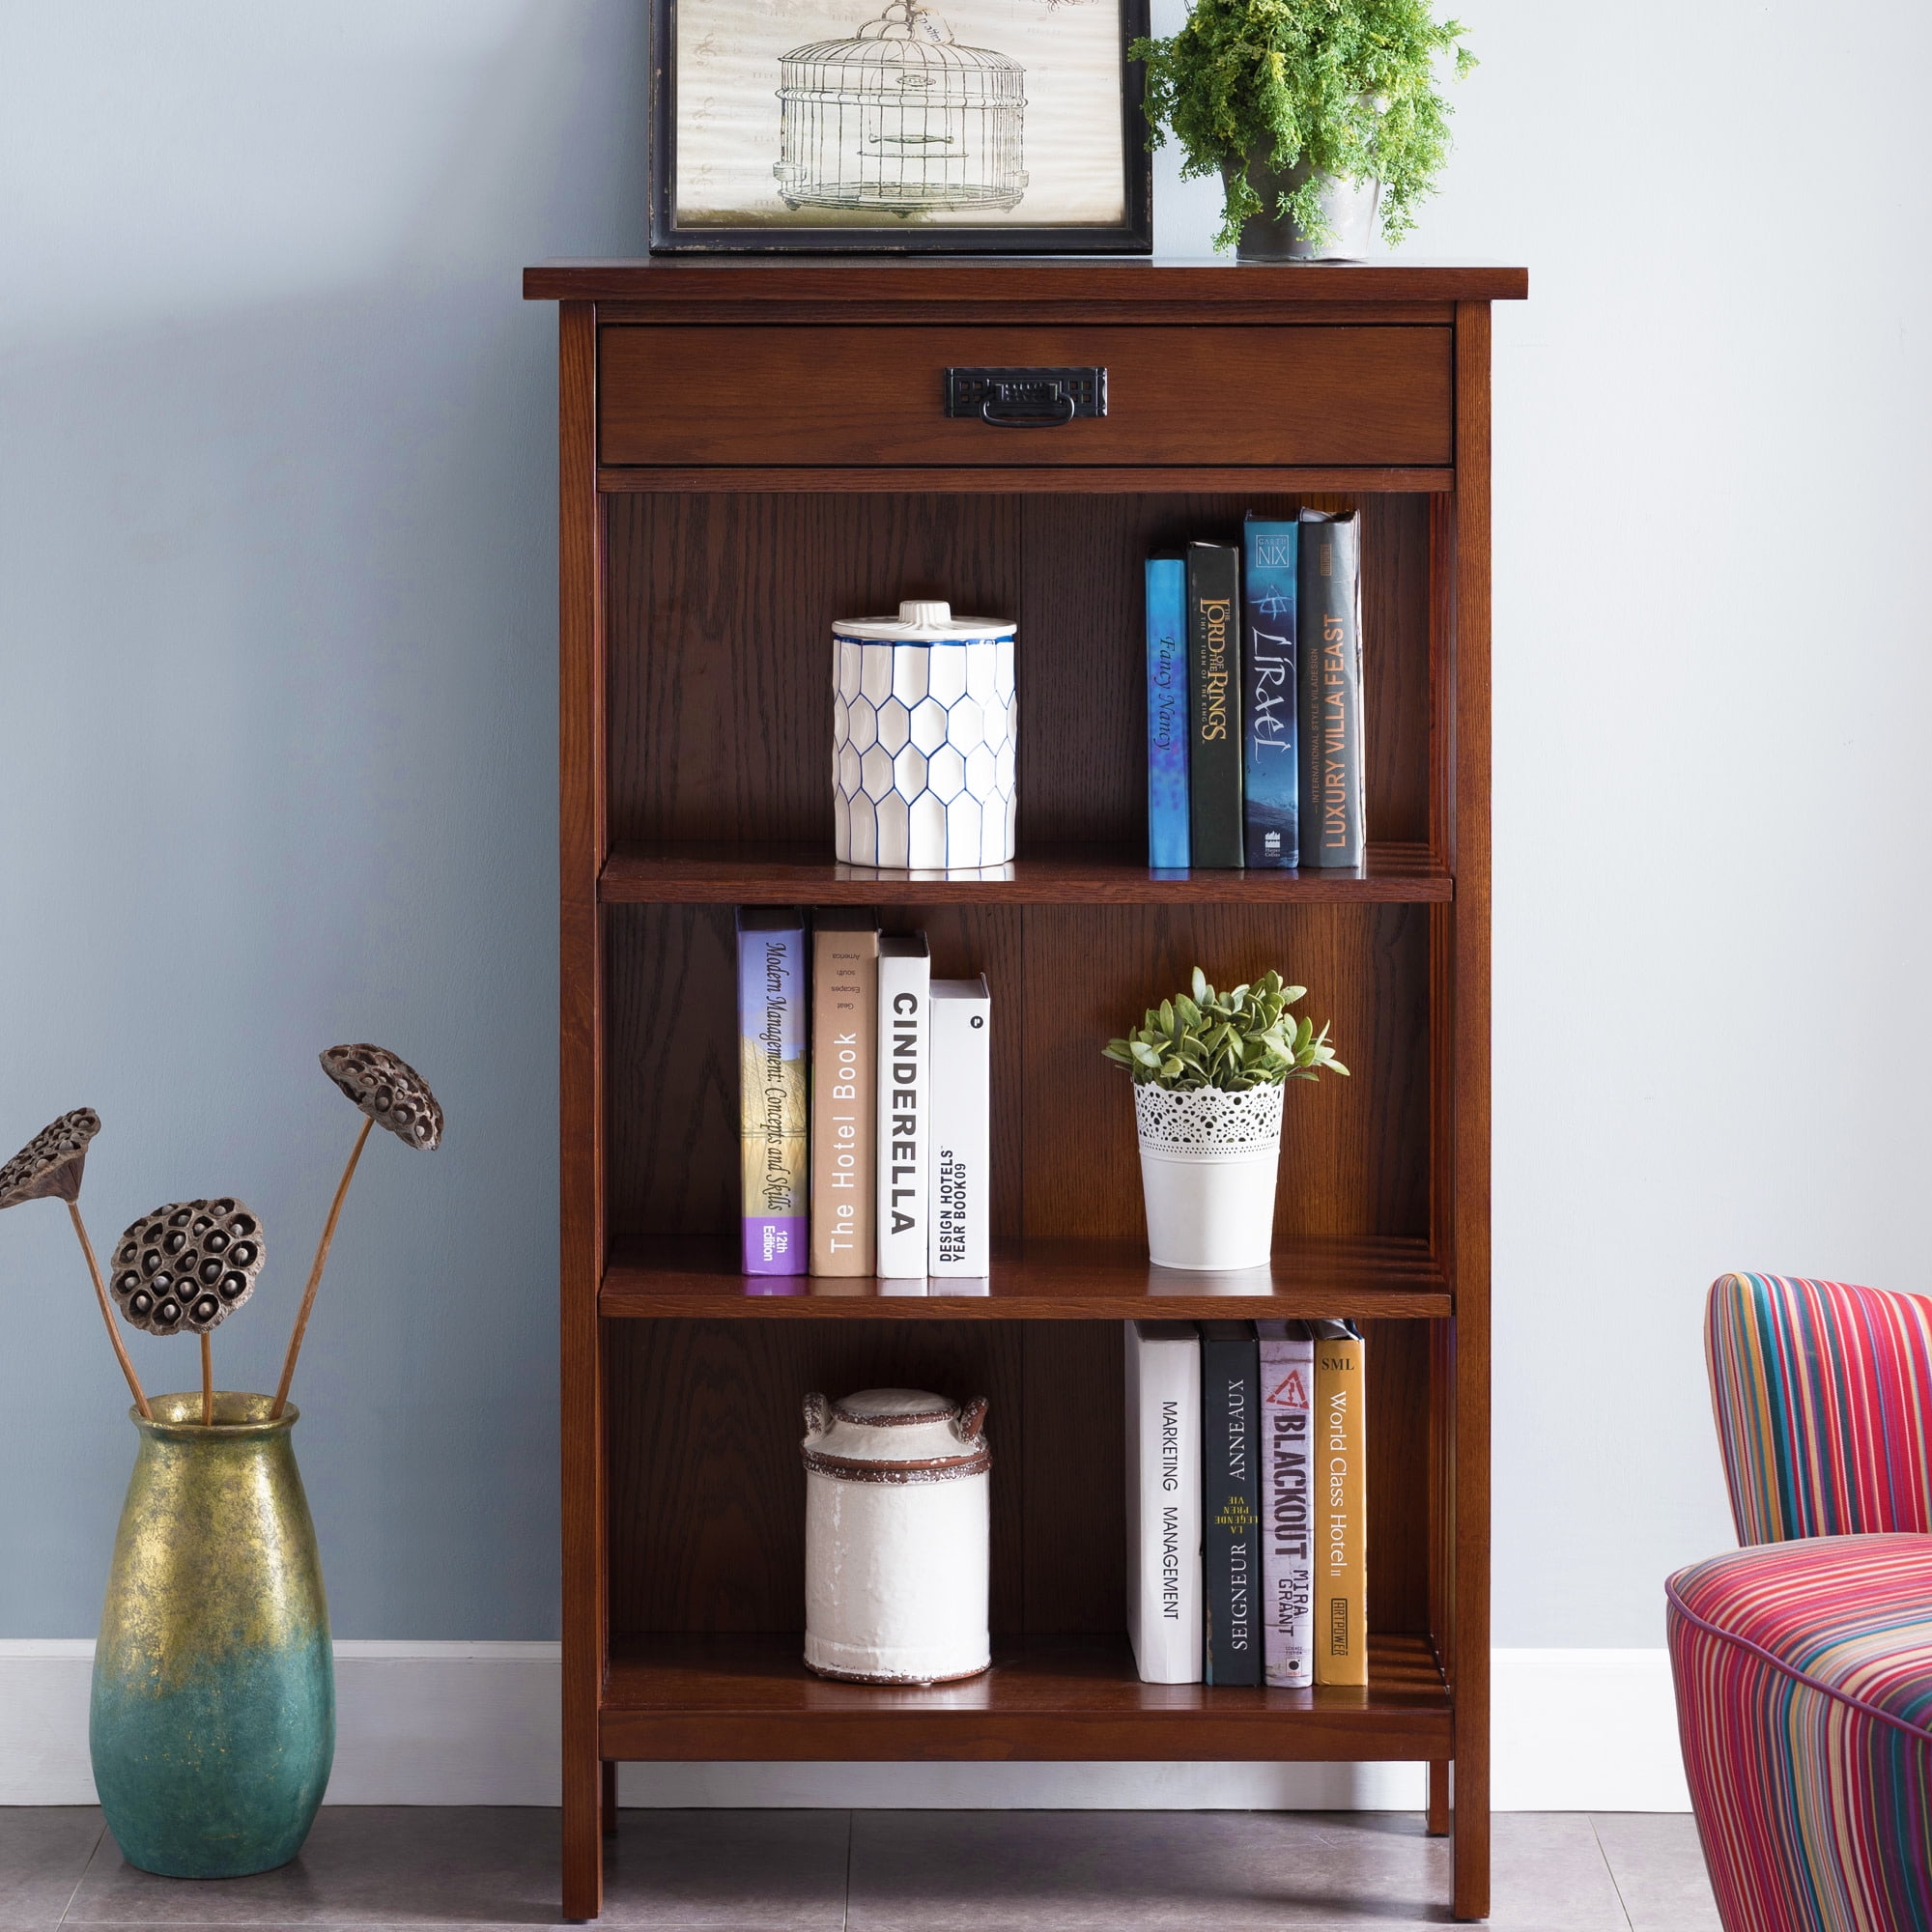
[(476, 1723)]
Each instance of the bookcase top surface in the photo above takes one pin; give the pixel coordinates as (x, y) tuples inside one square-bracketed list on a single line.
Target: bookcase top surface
[(1124, 279)]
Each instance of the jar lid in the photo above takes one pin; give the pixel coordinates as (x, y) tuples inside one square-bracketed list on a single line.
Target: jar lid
[(923, 621)]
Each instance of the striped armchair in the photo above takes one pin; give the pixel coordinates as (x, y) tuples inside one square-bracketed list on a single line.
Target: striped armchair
[(1803, 1661)]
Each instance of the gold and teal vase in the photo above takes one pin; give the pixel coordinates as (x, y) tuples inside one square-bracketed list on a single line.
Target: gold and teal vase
[(214, 1718)]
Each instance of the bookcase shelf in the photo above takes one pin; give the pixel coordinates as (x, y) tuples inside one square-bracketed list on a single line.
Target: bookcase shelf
[(711, 529), (697, 1698), (657, 1277), (697, 873)]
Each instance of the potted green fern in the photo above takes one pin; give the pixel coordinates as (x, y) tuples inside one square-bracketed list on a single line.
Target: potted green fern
[(1322, 117), (1209, 1070)]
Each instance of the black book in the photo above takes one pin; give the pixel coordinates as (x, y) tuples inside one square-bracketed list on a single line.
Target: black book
[(1330, 624), (1214, 703), (1231, 1525)]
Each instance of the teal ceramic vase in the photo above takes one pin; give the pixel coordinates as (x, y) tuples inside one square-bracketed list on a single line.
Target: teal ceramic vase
[(214, 1718)]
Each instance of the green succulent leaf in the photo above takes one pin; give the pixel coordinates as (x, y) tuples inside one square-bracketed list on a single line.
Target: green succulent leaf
[(1232, 1042)]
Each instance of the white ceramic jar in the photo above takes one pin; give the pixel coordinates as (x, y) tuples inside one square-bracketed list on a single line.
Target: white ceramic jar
[(922, 740), (896, 1537)]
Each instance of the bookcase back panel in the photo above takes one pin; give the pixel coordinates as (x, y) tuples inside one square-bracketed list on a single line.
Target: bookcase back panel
[(719, 617), (707, 1496), (1064, 980)]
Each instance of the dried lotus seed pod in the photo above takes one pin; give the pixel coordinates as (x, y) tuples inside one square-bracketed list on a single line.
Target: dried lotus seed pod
[(187, 1265), (389, 1091), (50, 1164)]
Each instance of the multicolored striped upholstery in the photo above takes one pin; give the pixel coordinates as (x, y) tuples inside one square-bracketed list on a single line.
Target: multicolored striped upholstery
[(1803, 1665), (1804, 1701), (1824, 1398)]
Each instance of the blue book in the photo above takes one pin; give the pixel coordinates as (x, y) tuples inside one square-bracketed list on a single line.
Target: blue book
[(1167, 712), (774, 1131), (1271, 768)]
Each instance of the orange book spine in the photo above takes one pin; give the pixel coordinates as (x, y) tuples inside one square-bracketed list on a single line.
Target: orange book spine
[(1341, 1549)]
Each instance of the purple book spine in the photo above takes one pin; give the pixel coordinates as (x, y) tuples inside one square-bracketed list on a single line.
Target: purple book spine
[(773, 992)]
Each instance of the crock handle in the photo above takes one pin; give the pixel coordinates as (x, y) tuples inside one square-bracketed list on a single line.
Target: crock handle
[(969, 1420), (817, 1416)]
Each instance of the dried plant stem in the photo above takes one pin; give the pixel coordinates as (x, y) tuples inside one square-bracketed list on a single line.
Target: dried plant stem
[(107, 1315), (207, 1382), (315, 1272)]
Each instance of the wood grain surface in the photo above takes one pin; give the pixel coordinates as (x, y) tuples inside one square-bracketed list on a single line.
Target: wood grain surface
[(708, 1697), (743, 286), (1464, 993), (661, 1277), (994, 479), (750, 872), (1321, 394), (582, 845)]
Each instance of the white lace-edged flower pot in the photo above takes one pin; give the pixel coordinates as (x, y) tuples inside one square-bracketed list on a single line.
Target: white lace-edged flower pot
[(1209, 1161)]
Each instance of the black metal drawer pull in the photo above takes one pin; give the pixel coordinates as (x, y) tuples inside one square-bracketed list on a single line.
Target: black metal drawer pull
[(1026, 398)]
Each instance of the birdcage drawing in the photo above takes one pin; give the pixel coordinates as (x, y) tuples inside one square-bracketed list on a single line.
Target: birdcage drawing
[(902, 119)]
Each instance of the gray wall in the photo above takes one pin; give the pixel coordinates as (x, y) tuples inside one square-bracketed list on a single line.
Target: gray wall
[(276, 613), (277, 609)]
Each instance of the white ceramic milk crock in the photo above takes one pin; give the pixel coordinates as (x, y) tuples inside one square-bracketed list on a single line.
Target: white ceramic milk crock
[(923, 746), (896, 1537)]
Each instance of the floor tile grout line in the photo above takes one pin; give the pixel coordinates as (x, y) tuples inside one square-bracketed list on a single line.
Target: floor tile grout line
[(1616, 1884), (845, 1915), (86, 1866)]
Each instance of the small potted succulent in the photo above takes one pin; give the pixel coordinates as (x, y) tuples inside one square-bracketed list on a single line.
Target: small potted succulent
[(1320, 116), (213, 1720), (1209, 1070)]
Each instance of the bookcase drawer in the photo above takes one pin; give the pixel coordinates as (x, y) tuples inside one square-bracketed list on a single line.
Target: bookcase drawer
[(1299, 394)]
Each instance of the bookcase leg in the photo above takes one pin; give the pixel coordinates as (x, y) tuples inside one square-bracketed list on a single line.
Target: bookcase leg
[(1439, 1799), (609, 1800), (1472, 1847), (583, 1843)]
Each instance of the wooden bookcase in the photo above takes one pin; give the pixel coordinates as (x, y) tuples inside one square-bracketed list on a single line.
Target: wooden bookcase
[(749, 449)]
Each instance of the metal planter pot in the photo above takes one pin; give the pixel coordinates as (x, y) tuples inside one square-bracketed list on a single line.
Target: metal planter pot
[(1350, 208), (213, 1727)]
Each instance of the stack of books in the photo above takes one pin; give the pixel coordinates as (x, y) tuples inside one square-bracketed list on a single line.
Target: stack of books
[(1247, 1529), (1254, 673), (865, 1101)]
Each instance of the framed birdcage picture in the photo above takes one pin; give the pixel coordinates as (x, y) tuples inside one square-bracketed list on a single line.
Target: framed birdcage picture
[(898, 125)]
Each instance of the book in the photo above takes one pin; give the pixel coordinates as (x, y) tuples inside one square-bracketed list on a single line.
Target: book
[(844, 1091), (1287, 1478), (960, 1241), (1341, 1541), (1270, 699), (1167, 711), (773, 1135), (1329, 628), (1231, 1566), (1215, 704), (1163, 1412), (906, 985)]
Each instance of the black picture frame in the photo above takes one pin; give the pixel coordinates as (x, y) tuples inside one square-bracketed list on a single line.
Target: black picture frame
[(1133, 235)]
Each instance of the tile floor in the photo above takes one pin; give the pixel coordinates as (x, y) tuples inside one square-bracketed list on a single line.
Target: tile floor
[(879, 1871)]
